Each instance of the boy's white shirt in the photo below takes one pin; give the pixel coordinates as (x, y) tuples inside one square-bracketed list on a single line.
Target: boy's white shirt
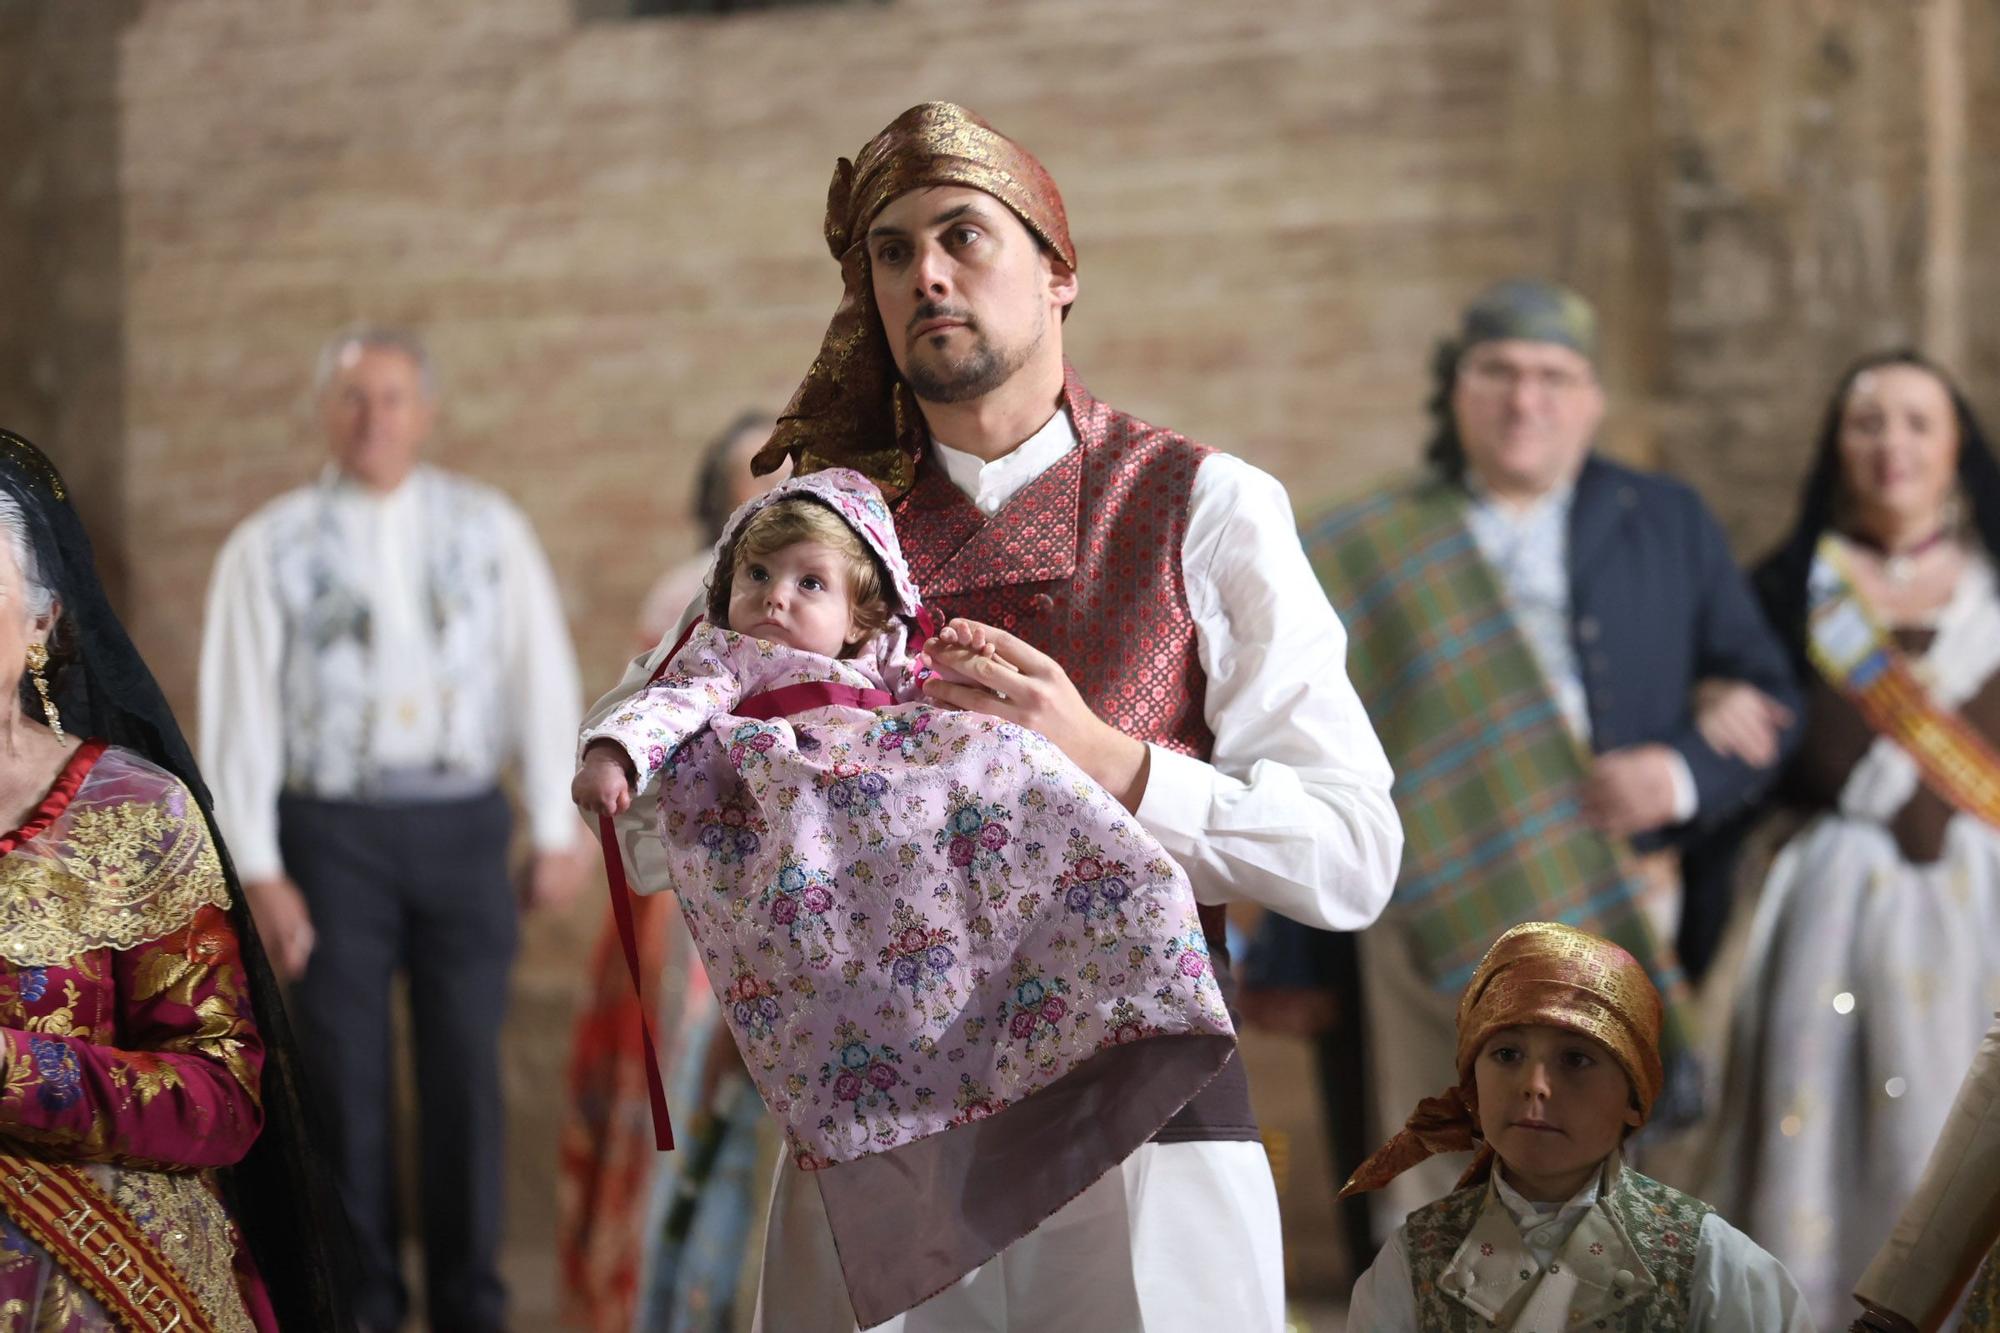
[(1292, 810), (1736, 1284)]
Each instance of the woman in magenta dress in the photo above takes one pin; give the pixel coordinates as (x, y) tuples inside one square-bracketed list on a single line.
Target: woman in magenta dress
[(153, 1172)]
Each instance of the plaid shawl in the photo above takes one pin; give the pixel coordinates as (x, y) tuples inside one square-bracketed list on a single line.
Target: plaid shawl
[(1489, 779)]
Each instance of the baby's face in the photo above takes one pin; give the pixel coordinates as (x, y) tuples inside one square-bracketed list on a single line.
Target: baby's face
[(1553, 1103), (798, 596)]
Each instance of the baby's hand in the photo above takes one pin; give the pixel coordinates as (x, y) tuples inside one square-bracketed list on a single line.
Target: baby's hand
[(959, 643), (967, 636), (603, 785)]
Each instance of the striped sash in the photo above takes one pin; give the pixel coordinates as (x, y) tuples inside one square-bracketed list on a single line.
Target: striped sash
[(1489, 780), (1857, 657), (64, 1211)]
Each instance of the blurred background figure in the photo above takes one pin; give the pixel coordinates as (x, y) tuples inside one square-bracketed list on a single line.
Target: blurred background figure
[(382, 646), (648, 1240), (724, 483), (1529, 623), (1872, 971)]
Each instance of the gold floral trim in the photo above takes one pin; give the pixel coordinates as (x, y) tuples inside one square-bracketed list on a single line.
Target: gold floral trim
[(183, 1216), (128, 861)]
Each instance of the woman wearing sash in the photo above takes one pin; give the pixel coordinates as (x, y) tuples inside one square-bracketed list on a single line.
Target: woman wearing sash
[(1872, 969), (153, 1174)]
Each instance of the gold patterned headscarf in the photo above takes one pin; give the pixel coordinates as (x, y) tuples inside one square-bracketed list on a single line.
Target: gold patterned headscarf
[(853, 410), (1540, 973)]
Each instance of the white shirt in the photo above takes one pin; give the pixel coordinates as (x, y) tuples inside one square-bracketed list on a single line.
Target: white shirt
[(245, 636), (1737, 1286), (1292, 809)]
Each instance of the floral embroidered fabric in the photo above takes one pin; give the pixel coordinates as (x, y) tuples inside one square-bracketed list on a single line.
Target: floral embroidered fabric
[(124, 861), (127, 1039), (1640, 1221), (913, 917)]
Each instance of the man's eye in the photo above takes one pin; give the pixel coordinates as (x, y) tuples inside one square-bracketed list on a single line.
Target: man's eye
[(889, 254), (964, 235)]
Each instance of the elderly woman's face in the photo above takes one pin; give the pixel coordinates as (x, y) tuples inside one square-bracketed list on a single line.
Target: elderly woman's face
[(18, 626), (1898, 449)]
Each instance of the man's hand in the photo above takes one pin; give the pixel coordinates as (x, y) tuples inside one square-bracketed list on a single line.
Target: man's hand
[(1738, 719), (1631, 791), (1289, 1011), (1005, 677), (553, 878), (283, 923), (603, 784)]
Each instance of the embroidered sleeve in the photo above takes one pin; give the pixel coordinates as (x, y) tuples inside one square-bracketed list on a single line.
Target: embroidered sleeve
[(181, 1087), (703, 680)]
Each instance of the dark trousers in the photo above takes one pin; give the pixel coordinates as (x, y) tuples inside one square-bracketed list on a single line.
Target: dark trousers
[(1343, 1086), (421, 889)]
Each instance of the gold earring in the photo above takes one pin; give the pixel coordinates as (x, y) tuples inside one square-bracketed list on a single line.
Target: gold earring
[(38, 661)]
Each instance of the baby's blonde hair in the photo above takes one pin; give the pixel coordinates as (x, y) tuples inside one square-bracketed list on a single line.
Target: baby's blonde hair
[(789, 522)]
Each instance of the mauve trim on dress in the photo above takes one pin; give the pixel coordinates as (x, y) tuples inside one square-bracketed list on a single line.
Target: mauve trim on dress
[(67, 784), (909, 1222)]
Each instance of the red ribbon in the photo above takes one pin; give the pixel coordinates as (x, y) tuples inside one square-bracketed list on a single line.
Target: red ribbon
[(789, 699), (628, 938)]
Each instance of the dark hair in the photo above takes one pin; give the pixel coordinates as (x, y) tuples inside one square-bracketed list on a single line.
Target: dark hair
[(1780, 578), (714, 494), (1445, 452)]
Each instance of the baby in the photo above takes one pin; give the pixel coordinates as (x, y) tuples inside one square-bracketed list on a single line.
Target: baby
[(1559, 1060), (940, 946)]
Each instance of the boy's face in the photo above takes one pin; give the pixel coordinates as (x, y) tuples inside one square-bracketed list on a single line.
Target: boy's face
[(1554, 1104), (797, 595)]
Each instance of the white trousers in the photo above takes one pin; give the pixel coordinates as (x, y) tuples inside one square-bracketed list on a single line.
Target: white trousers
[(1178, 1238)]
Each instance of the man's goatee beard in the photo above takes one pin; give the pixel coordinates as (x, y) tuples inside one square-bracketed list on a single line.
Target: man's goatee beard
[(979, 374)]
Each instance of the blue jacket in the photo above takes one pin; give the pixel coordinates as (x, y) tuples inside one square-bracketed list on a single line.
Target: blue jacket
[(1657, 604)]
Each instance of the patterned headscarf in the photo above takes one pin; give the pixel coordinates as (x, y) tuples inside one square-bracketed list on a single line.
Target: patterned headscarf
[(1540, 973), (1533, 310), (853, 410)]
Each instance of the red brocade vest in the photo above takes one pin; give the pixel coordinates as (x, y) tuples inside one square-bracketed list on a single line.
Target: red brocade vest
[(1084, 562)]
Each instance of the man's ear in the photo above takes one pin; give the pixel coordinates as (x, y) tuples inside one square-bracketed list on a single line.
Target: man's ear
[(1062, 282)]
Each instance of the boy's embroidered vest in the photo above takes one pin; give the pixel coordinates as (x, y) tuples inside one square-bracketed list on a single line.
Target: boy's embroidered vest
[(1628, 1266), (1085, 564), (329, 636)]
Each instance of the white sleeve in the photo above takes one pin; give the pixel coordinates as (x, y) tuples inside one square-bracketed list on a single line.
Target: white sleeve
[(1738, 1285), (1383, 1301), (542, 680), (1292, 810), (241, 710)]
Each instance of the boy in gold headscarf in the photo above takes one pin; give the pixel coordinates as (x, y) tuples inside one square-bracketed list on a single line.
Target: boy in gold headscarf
[(1558, 1061)]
